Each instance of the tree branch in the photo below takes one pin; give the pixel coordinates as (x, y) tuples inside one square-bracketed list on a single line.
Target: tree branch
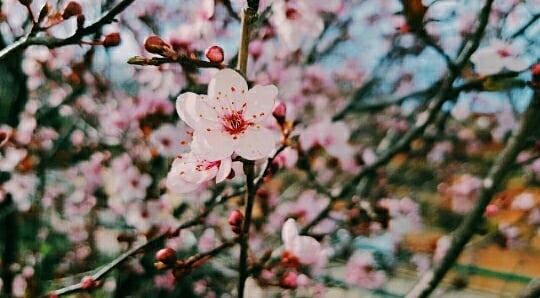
[(54, 42), (120, 259), (466, 230)]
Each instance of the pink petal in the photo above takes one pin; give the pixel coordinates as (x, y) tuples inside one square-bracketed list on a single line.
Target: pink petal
[(192, 109), (197, 171), (289, 233), (256, 143), (260, 101), (307, 249), (176, 184), (227, 91), (212, 145), (224, 169)]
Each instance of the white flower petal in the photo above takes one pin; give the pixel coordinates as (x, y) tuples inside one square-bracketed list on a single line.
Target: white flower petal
[(224, 169), (176, 184), (193, 110), (515, 64), (196, 172), (227, 91), (212, 145), (306, 249), (289, 232), (260, 101), (256, 143)]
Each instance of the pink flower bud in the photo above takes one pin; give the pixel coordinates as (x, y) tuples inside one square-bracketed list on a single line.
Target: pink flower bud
[(156, 45), (236, 218), (535, 71), (280, 112), (166, 255), (255, 49), (215, 54), (491, 210), (72, 9), (88, 283), (112, 40), (289, 280)]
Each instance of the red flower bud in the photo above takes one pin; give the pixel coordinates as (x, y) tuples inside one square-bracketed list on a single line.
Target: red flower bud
[(166, 255), (289, 280), (112, 40), (72, 9), (280, 112), (156, 45), (88, 283), (491, 210), (535, 71), (215, 54), (236, 218)]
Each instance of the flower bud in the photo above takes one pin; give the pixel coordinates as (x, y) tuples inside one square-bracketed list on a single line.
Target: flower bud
[(289, 280), (215, 54), (88, 283), (535, 74), (280, 112), (236, 218), (156, 45), (112, 40), (72, 9), (491, 210), (166, 255)]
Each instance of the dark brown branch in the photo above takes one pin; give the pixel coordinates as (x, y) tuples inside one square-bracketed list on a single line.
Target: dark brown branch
[(54, 42), (466, 230), (524, 28), (182, 60), (444, 92)]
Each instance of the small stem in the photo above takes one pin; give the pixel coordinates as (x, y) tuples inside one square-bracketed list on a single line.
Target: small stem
[(247, 17), (249, 169)]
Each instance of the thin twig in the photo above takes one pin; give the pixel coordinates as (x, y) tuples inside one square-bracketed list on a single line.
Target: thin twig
[(54, 42)]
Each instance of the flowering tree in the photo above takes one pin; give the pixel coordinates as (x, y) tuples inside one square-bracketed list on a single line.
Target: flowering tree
[(250, 148)]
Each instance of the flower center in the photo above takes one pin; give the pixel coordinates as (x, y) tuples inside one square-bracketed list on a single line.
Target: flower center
[(205, 166), (504, 53), (292, 13), (235, 123)]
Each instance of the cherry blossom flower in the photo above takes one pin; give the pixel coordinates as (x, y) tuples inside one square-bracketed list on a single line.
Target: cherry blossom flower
[(228, 120), (170, 140), (297, 21), (304, 248), (524, 201), (361, 271), (188, 172), (463, 192), (332, 136), (492, 59)]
